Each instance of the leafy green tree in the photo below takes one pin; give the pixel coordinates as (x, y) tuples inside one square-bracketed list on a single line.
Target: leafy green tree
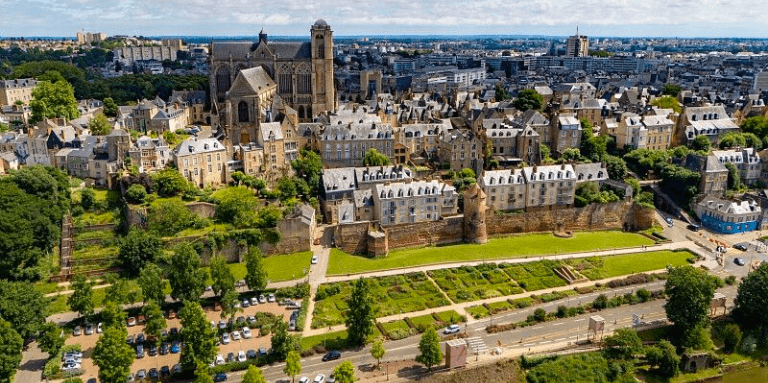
[(757, 125), (292, 365), (136, 193), (170, 217), (571, 155), (360, 320), (10, 351), (50, 339), (99, 125), (593, 148), (730, 140), (223, 280), (623, 344), (120, 291), (81, 299), (23, 306), (429, 346), (701, 143), (752, 141), (528, 99), (168, 182), (734, 177), (202, 377), (282, 341), (664, 357), (467, 173), (286, 187), (256, 272), (87, 198), (751, 310), (254, 375), (53, 100), (617, 168), (229, 304), (375, 158), (546, 152), (151, 283), (113, 356), (344, 372), (671, 89), (137, 249), (198, 336), (112, 315), (236, 205), (378, 351), (186, 277), (110, 107), (690, 291), (731, 335), (155, 321), (667, 102), (501, 94), (309, 167)]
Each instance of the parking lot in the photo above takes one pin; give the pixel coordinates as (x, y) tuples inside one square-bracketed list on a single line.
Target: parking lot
[(88, 342)]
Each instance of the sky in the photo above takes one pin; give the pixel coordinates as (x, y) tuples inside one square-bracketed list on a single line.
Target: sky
[(621, 18)]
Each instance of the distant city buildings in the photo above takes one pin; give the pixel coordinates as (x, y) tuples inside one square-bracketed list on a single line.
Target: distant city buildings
[(577, 45), (90, 37)]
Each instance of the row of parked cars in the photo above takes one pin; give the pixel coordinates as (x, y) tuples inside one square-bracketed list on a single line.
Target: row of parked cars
[(89, 329), (154, 373)]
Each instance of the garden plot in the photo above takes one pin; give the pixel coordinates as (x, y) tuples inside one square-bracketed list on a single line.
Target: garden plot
[(391, 295), (468, 283)]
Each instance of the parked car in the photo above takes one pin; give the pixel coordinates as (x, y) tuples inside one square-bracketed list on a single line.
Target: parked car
[(141, 374), (173, 331), (164, 348), (251, 319), (152, 350), (332, 355), (251, 354), (314, 259), (247, 333), (99, 330), (286, 301), (452, 329), (241, 356), (271, 298), (293, 306), (131, 321), (263, 351), (231, 357), (73, 360), (153, 374), (219, 359), (222, 324), (176, 369), (129, 339), (235, 335), (77, 331), (670, 223), (262, 299), (246, 303), (331, 379), (240, 319), (140, 338), (304, 379), (220, 377), (164, 371), (72, 354), (88, 329), (175, 347), (254, 301), (739, 261), (320, 378), (164, 333), (740, 246), (72, 367), (224, 338), (131, 377), (139, 351), (693, 227)]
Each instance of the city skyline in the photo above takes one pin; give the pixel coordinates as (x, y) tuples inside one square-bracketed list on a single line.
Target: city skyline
[(706, 18)]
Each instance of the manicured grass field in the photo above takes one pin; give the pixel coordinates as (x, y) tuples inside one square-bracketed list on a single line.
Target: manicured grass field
[(509, 247), (391, 295), (469, 283), (614, 266), (397, 329), (333, 340), (282, 267)]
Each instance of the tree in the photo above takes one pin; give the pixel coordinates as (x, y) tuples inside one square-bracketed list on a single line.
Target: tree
[(751, 309), (99, 125), (112, 315), (87, 198), (155, 320), (360, 320), (617, 168), (50, 339), (202, 376), (10, 351), (429, 346), (53, 100), (186, 277), (571, 155), (501, 94), (198, 336), (23, 306), (734, 177), (282, 341), (137, 249), (374, 158), (120, 291), (344, 372), (236, 205), (664, 357), (151, 284), (667, 102), (671, 89), (253, 375), (528, 99), (752, 141), (81, 299), (230, 304), (701, 143), (309, 167), (168, 182), (223, 280), (378, 351), (690, 291), (593, 148), (731, 335), (292, 365), (136, 193), (110, 107), (546, 152), (623, 344), (170, 217), (256, 273), (286, 187), (113, 356)]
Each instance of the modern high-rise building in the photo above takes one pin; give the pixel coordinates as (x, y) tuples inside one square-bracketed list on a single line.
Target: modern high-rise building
[(577, 46)]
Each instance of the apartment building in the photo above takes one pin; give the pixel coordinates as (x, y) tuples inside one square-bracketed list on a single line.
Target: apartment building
[(202, 161), (413, 202)]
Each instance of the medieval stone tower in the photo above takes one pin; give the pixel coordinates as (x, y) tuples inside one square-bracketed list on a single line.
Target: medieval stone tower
[(324, 89), (474, 215)]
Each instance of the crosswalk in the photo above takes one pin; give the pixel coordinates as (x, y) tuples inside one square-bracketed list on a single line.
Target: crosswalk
[(476, 345)]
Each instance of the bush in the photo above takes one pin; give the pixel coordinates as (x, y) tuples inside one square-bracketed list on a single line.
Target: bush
[(136, 193), (540, 315), (730, 280), (731, 335), (73, 380), (600, 302), (562, 311), (749, 345)]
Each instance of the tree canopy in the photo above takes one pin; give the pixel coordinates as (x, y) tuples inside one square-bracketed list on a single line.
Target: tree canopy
[(528, 99), (168, 182), (99, 125), (360, 320), (671, 89), (236, 205), (690, 291), (751, 310), (199, 338), (10, 351), (667, 102), (292, 365), (256, 273), (186, 277), (344, 372), (283, 342), (113, 356), (623, 344), (254, 375), (151, 283), (375, 158), (137, 249), (429, 346), (81, 299), (23, 306), (53, 100), (169, 217)]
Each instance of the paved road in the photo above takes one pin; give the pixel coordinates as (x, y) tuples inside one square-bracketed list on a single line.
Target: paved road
[(32, 363)]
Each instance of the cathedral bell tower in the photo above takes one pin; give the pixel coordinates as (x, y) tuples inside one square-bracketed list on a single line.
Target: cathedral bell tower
[(323, 89)]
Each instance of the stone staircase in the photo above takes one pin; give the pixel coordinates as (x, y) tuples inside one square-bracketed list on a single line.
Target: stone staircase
[(569, 275)]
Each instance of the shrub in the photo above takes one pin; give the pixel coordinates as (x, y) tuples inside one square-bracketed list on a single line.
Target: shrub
[(540, 315), (748, 345), (731, 337), (266, 329), (730, 280), (136, 193), (562, 311), (600, 302), (643, 295)]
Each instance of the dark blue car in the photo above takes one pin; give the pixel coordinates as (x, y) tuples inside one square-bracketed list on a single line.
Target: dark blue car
[(220, 377), (175, 348)]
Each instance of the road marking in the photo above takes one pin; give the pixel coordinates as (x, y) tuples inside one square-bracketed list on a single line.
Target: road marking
[(529, 344), (557, 340), (580, 320), (549, 341), (558, 324)]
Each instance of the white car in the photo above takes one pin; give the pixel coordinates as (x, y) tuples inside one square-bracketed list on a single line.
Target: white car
[(73, 360), (247, 333), (271, 298), (241, 356), (314, 259), (262, 299), (213, 325), (304, 379), (219, 359), (452, 329), (225, 338), (254, 301), (222, 324), (99, 330), (235, 335), (320, 378), (71, 367)]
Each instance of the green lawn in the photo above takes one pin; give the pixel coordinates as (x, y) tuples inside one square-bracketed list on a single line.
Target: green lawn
[(95, 251), (509, 247), (398, 329), (617, 265), (282, 267), (469, 283), (332, 340)]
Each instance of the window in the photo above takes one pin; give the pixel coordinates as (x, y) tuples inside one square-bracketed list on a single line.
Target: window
[(242, 112)]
